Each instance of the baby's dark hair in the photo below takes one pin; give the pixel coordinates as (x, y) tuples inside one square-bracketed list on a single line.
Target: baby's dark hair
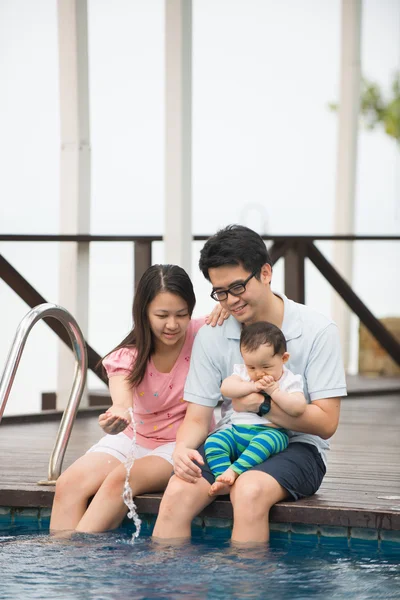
[(255, 335)]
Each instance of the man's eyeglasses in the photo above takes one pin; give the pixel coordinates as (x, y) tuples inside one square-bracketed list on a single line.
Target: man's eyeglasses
[(234, 290)]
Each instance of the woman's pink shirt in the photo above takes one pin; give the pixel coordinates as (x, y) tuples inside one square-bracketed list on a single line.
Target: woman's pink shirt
[(158, 404)]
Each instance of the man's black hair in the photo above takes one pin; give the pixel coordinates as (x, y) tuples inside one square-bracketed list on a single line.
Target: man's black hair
[(234, 245), (255, 335)]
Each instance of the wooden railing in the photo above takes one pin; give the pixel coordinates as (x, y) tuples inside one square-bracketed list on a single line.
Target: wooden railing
[(294, 249)]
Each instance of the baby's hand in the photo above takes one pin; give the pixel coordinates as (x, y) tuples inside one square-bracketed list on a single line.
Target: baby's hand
[(114, 420), (268, 384), (259, 386)]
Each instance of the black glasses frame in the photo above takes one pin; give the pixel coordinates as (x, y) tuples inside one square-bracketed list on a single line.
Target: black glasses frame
[(215, 293)]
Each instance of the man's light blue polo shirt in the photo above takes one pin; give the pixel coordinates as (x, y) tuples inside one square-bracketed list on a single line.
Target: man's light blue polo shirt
[(315, 354)]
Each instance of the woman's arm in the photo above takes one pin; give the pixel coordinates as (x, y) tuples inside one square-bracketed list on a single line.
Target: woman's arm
[(117, 417)]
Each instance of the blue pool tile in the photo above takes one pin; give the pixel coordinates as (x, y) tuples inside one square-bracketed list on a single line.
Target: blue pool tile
[(389, 536), (305, 529), (363, 533), (282, 527), (25, 514), (218, 523), (337, 532)]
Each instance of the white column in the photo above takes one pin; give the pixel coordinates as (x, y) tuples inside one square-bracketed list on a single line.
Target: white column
[(74, 177), (178, 123), (349, 103)]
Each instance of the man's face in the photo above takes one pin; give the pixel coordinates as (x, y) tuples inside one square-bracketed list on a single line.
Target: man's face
[(247, 307)]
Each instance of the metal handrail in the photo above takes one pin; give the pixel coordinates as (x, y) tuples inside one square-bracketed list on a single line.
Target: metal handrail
[(78, 344)]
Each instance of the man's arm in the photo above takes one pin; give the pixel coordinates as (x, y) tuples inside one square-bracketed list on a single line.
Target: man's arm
[(191, 434), (321, 417)]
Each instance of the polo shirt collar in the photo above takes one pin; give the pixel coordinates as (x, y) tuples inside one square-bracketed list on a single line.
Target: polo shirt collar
[(233, 328), (291, 326)]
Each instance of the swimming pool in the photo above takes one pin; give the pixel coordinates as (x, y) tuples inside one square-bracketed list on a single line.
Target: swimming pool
[(109, 566)]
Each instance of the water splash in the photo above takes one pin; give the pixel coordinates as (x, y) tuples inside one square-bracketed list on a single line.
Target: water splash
[(127, 495)]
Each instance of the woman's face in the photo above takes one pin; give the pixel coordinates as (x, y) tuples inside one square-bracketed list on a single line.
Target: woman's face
[(169, 319)]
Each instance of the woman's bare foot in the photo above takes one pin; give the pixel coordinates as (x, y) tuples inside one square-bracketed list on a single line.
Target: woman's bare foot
[(223, 483)]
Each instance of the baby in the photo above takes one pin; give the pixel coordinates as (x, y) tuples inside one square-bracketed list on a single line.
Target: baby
[(251, 438)]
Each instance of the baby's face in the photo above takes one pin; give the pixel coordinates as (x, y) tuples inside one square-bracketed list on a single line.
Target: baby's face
[(262, 362)]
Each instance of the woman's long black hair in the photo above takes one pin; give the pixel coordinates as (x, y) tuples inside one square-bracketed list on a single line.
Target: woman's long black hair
[(156, 279)]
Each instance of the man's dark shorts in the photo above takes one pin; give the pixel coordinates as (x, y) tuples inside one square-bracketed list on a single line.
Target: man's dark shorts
[(299, 469)]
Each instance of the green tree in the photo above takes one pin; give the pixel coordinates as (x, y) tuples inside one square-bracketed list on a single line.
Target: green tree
[(376, 110)]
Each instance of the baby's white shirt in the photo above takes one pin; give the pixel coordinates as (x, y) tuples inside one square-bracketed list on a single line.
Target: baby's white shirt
[(288, 382)]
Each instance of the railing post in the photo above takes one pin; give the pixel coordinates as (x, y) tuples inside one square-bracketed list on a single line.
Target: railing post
[(295, 272), (142, 259)]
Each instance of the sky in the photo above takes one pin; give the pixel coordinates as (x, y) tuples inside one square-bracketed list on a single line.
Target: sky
[(264, 150)]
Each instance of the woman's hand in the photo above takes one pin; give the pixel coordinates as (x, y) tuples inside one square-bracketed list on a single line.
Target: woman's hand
[(217, 316), (114, 420)]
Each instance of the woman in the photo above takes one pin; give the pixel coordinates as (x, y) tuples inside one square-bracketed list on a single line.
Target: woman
[(147, 373)]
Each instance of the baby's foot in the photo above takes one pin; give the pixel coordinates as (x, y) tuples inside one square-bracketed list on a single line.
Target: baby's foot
[(229, 476), (223, 483), (219, 489)]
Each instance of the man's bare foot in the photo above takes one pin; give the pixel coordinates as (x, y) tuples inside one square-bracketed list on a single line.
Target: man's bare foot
[(223, 483)]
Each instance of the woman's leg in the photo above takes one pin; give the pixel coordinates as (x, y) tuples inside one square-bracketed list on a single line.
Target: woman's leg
[(76, 486), (107, 509)]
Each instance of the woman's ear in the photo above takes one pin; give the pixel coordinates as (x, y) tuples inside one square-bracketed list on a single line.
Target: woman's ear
[(285, 357)]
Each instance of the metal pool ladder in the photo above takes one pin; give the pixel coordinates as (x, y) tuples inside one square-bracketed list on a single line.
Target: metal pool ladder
[(78, 344)]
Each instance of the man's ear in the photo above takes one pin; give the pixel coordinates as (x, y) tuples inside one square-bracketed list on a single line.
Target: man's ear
[(266, 273), (285, 357)]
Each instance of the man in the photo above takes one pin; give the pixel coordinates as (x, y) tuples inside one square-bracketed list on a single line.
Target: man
[(236, 262)]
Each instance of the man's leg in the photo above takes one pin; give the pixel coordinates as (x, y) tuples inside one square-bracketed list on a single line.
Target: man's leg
[(252, 497), (295, 473), (181, 502)]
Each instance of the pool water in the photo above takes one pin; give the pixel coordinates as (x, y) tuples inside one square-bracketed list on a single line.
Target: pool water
[(108, 566)]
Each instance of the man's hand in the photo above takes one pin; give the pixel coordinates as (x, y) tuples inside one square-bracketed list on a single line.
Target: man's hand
[(184, 467), (114, 420), (249, 403)]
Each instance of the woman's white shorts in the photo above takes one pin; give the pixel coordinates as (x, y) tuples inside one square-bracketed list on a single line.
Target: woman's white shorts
[(119, 446)]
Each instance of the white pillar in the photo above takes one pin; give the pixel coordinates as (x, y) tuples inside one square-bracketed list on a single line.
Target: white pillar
[(178, 123), (349, 104), (74, 177)]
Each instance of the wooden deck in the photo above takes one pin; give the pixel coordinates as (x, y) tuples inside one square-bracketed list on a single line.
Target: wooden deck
[(361, 488)]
